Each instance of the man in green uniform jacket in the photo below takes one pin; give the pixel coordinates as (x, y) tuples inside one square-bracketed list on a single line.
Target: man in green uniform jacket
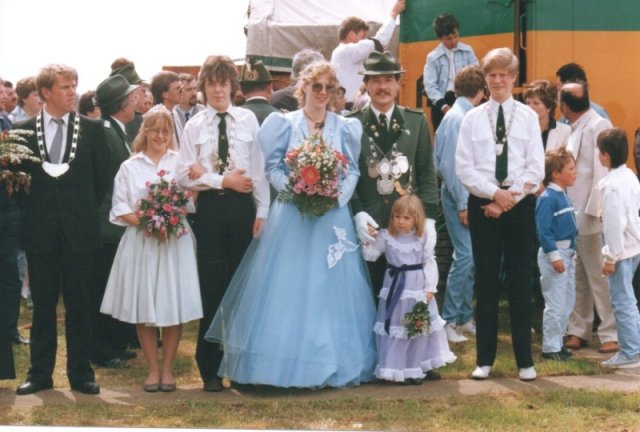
[(256, 85), (396, 157)]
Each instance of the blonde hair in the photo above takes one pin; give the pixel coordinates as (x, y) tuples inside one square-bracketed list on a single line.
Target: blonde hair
[(311, 74), (157, 115), (411, 205), (50, 73), (500, 58), (554, 162)]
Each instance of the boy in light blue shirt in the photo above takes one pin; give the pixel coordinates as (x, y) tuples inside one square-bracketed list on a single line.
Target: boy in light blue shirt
[(442, 65)]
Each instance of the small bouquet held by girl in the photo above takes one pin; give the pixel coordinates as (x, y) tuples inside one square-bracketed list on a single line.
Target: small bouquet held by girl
[(162, 213), (315, 170), (409, 331), (13, 155)]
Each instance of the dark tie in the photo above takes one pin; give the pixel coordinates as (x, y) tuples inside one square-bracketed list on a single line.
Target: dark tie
[(186, 116), (502, 160), (223, 142), (56, 145), (384, 127)]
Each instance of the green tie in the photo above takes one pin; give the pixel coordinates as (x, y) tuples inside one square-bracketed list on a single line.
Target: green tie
[(502, 160), (223, 142), (384, 129)]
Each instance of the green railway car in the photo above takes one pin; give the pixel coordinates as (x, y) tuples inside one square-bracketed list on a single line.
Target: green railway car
[(602, 36)]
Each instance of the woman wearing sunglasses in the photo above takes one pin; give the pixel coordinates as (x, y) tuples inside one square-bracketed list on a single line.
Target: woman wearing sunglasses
[(299, 311)]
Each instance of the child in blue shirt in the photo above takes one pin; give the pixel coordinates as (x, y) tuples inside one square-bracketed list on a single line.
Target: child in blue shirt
[(556, 230)]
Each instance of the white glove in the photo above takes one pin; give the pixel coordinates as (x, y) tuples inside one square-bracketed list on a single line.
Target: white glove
[(432, 235), (362, 221)]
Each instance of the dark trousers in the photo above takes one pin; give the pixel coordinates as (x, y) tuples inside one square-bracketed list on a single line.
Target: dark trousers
[(110, 336), (223, 226), (61, 270), (436, 117), (511, 237), (377, 269), (9, 278)]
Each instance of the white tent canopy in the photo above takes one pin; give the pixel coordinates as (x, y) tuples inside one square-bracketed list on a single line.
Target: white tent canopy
[(277, 29)]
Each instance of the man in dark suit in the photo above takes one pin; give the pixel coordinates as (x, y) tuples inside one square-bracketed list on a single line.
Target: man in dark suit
[(396, 157), (126, 68), (60, 229), (256, 84), (117, 100)]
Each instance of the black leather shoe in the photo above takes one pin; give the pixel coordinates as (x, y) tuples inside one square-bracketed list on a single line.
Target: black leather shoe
[(87, 387), (561, 355), (432, 375), (214, 385), (31, 387), (19, 340)]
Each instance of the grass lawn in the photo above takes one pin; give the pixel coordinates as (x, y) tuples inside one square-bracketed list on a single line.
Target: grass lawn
[(522, 411)]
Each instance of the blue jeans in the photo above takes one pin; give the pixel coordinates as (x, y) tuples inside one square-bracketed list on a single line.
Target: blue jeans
[(559, 292), (624, 304), (458, 296)]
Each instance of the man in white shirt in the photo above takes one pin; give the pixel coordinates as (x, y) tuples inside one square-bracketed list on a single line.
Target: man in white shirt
[(221, 160), (500, 161), (591, 288), (348, 57)]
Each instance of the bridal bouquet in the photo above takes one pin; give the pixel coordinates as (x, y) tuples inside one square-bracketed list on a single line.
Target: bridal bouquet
[(13, 154), (314, 176), (417, 322), (164, 209)]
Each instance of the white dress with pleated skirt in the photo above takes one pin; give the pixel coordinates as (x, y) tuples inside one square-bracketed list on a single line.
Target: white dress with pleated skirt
[(152, 282)]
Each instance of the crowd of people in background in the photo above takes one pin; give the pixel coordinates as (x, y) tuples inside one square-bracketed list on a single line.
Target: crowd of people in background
[(289, 300)]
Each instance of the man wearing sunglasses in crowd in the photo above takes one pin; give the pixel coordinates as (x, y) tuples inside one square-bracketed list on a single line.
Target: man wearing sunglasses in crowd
[(396, 157)]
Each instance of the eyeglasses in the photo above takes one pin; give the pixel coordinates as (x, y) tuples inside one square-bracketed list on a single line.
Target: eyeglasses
[(317, 88), (159, 131)]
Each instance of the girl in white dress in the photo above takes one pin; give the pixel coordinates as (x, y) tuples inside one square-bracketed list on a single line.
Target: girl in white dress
[(411, 277), (154, 280)]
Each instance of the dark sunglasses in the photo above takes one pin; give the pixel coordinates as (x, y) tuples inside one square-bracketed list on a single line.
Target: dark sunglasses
[(317, 88)]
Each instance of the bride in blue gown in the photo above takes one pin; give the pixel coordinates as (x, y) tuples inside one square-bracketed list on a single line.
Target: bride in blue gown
[(299, 310)]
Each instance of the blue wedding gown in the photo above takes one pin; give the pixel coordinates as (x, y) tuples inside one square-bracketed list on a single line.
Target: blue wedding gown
[(288, 319)]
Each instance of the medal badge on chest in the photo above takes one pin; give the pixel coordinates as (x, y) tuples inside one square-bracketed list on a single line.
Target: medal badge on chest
[(55, 170), (387, 169)]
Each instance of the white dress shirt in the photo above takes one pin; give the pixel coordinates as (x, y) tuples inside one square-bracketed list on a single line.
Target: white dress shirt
[(130, 184), (198, 146), (50, 129), (476, 150), (387, 114), (348, 58)]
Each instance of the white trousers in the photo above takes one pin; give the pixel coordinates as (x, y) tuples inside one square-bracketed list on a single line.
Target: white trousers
[(592, 288)]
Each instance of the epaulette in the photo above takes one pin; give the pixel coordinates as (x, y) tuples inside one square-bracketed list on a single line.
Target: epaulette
[(414, 110), (107, 124)]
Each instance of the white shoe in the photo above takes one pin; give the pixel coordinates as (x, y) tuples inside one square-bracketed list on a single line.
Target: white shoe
[(528, 374), (481, 372), (468, 327), (452, 334), (622, 361)]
